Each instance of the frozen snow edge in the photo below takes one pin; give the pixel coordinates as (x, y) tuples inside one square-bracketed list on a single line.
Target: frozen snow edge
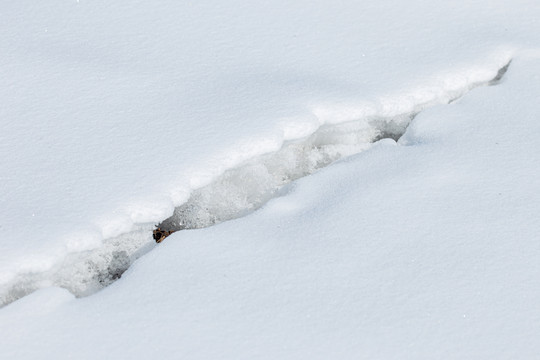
[(335, 137), (247, 182)]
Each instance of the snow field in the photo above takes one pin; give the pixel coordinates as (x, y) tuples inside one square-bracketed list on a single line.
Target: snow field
[(116, 116), (425, 248), (113, 114), (242, 189)]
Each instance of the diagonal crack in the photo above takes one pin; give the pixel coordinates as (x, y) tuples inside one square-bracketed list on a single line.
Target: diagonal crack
[(236, 193), (244, 189)]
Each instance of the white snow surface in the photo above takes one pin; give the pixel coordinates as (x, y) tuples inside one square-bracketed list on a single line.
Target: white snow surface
[(113, 113), (423, 249)]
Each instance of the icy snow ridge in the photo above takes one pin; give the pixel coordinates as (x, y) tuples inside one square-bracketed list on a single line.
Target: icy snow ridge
[(246, 188), (236, 193)]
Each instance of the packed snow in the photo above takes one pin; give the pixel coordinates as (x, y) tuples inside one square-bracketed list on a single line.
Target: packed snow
[(269, 130)]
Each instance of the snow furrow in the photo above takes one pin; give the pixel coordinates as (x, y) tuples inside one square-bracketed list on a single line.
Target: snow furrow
[(236, 193)]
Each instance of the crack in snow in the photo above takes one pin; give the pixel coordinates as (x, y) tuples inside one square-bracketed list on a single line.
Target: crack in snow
[(236, 193)]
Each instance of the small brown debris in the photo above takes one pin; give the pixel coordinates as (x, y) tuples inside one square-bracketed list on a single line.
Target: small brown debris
[(160, 234)]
